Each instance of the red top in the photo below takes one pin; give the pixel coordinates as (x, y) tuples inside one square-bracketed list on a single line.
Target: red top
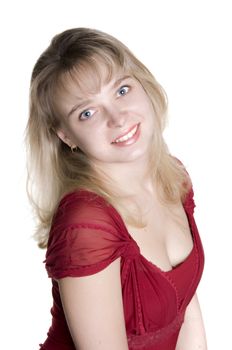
[(88, 234)]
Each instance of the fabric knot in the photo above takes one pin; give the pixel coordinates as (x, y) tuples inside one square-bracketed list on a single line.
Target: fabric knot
[(132, 250)]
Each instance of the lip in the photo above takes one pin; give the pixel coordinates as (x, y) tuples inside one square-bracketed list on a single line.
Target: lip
[(129, 141), (125, 133)]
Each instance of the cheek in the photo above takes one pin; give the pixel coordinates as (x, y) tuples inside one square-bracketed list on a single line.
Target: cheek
[(148, 111), (144, 102), (89, 142)]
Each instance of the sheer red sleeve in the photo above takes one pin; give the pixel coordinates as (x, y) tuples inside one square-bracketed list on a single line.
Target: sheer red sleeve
[(84, 237)]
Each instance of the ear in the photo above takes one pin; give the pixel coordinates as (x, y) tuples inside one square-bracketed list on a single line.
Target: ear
[(64, 137)]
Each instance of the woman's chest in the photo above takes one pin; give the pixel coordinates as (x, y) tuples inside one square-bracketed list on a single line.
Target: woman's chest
[(166, 240)]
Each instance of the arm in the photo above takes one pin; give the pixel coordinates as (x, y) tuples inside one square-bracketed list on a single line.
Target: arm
[(192, 333), (94, 309)]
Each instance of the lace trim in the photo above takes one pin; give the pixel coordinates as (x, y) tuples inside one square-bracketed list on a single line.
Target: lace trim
[(152, 338)]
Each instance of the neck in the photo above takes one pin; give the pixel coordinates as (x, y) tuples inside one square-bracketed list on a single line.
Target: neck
[(129, 179)]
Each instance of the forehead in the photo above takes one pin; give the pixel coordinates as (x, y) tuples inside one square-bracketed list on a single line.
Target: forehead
[(87, 79)]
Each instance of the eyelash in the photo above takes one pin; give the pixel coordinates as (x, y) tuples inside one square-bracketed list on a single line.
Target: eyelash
[(123, 87), (118, 92), (82, 114)]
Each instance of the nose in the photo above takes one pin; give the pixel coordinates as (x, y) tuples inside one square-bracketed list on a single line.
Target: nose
[(115, 116)]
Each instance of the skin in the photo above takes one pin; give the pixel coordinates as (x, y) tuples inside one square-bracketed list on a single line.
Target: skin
[(192, 334), (108, 114), (92, 121)]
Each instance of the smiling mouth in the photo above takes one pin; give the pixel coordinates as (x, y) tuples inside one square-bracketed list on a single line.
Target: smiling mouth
[(127, 136)]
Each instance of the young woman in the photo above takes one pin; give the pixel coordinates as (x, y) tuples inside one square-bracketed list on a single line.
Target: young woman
[(114, 207)]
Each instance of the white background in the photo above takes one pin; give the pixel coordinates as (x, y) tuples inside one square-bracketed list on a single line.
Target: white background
[(187, 45)]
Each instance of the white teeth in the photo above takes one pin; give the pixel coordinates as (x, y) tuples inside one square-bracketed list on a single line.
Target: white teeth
[(127, 136)]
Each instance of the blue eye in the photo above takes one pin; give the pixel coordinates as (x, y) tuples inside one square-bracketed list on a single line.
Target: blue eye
[(86, 114), (123, 90)]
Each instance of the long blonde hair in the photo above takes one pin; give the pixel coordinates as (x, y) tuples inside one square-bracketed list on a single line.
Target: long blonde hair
[(53, 169)]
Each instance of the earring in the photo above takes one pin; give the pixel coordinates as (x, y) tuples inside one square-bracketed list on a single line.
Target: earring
[(74, 149)]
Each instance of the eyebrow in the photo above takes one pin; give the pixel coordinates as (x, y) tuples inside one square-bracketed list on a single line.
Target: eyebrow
[(118, 81), (74, 108), (86, 102)]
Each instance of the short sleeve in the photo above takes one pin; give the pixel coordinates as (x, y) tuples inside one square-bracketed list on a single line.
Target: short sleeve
[(188, 201), (84, 237)]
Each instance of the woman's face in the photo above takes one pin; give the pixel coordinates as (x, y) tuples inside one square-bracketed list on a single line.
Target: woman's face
[(111, 124)]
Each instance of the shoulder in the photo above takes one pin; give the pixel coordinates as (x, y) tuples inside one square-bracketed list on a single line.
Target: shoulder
[(83, 211), (81, 199), (86, 236), (188, 199), (187, 183), (83, 206)]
